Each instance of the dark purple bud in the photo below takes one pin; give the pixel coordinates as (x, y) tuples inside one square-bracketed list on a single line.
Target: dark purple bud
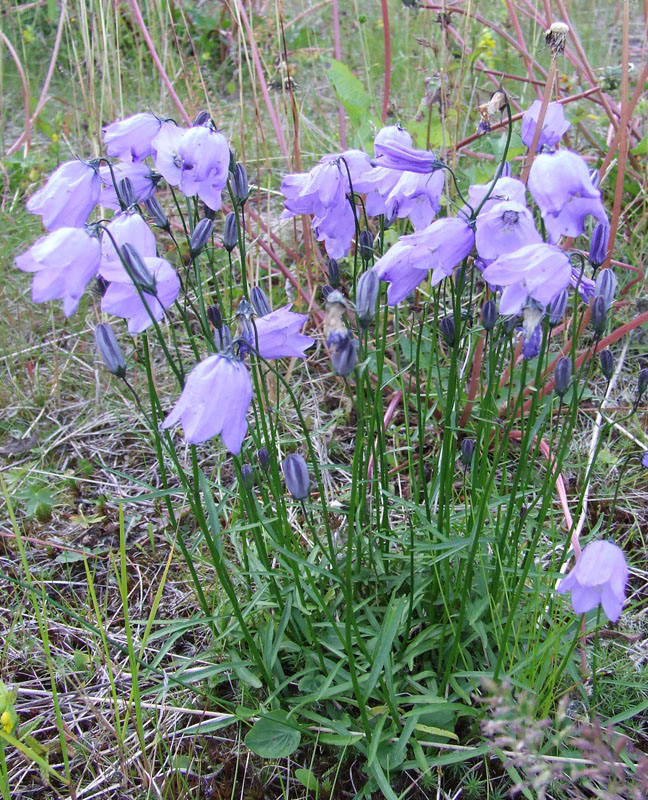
[(230, 237), (489, 315), (101, 285), (240, 187), (202, 118), (126, 193), (247, 476), (260, 302), (607, 363), (214, 316), (606, 286), (344, 356), (158, 216), (599, 315), (557, 308), (365, 245), (642, 384), (467, 452), (200, 236), (562, 376), (326, 291), (109, 350), (263, 458), (599, 244), (448, 331), (295, 474), (137, 269), (366, 297), (333, 273)]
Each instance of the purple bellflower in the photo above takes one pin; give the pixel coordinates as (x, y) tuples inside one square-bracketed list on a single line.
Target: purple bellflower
[(439, 247), (393, 152), (599, 577), (215, 400), (166, 152), (553, 126), (68, 197), (205, 157), (503, 228), (278, 334), (123, 299), (142, 180), (537, 271), (505, 189), (130, 139), (323, 192), (126, 228), (64, 262), (561, 186)]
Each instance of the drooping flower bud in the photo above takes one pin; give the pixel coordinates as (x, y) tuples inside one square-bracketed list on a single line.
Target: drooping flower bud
[(263, 458), (557, 308), (607, 363), (467, 452), (109, 350), (599, 244), (230, 236), (606, 286), (448, 330), (365, 245), (240, 186), (344, 355), (562, 376), (599, 315), (489, 315), (214, 316), (200, 236), (126, 193), (137, 269), (223, 339), (295, 474), (366, 297), (333, 273), (247, 476), (202, 118), (260, 302), (157, 213)]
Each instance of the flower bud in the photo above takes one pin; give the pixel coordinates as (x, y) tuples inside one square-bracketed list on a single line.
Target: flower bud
[(247, 476), (137, 269), (240, 187), (126, 193), (365, 245), (489, 315), (599, 315), (599, 244), (156, 211), (200, 236), (260, 302), (467, 452), (295, 474), (327, 290), (506, 170), (263, 458), (642, 384), (557, 308), (109, 350), (366, 297), (230, 236), (333, 273), (344, 354), (214, 316), (448, 331), (607, 363), (223, 339), (201, 118), (101, 285), (562, 376), (606, 286)]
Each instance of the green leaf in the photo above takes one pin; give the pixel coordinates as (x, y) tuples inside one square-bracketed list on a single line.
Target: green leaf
[(348, 89), (273, 736), (307, 778)]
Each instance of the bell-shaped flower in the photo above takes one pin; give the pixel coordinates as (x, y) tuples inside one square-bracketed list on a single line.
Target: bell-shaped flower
[(539, 271), (126, 228), (205, 156), (142, 179), (553, 126), (561, 186), (63, 263), (131, 139), (215, 400), (278, 334), (505, 189), (599, 577), (439, 247), (503, 228), (68, 197), (166, 152), (393, 152), (122, 297)]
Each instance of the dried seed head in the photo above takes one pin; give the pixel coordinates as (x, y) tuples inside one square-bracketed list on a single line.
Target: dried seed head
[(556, 37)]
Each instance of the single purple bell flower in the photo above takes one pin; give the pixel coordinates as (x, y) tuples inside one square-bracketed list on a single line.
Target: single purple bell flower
[(561, 186), (131, 139), (63, 263), (599, 244), (278, 334), (553, 127), (68, 197), (166, 152), (127, 228), (205, 156), (504, 228), (539, 271), (439, 247), (123, 299), (141, 177), (215, 400), (599, 577), (393, 153)]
